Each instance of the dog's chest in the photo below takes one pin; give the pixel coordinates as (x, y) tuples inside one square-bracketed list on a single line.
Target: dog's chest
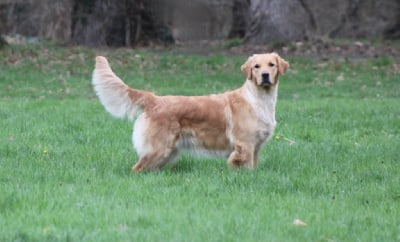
[(263, 105), (265, 128), (264, 134), (264, 115)]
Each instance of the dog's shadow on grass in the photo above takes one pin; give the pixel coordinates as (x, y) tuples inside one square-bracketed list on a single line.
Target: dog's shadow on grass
[(187, 165), (182, 165)]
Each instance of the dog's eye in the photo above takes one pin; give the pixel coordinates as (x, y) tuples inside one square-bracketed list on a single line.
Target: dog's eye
[(257, 66), (271, 64)]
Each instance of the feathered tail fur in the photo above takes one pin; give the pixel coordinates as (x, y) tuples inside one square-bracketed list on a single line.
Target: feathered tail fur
[(118, 98)]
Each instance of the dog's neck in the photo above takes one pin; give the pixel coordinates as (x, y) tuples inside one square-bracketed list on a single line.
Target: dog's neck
[(264, 94), (262, 100)]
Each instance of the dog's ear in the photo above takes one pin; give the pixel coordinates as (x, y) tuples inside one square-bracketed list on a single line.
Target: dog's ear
[(282, 64), (246, 67)]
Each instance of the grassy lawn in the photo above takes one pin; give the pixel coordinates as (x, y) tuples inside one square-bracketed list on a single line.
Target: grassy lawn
[(333, 162)]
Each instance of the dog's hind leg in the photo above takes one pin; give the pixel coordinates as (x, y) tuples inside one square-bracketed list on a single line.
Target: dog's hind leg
[(155, 160), (155, 145)]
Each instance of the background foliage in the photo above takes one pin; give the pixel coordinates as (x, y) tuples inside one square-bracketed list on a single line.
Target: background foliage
[(133, 22)]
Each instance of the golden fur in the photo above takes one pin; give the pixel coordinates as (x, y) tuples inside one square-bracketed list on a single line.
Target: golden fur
[(234, 124)]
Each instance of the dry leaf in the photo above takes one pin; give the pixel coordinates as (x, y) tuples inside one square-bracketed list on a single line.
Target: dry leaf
[(340, 77), (298, 222)]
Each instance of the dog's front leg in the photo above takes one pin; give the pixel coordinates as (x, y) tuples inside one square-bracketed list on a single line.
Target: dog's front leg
[(255, 159), (241, 156)]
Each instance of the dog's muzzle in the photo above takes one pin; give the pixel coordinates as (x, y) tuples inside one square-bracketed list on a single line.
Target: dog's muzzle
[(265, 79)]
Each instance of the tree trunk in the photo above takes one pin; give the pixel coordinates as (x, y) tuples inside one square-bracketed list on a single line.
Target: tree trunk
[(291, 20)]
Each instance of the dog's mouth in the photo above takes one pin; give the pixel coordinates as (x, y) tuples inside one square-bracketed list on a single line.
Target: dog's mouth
[(266, 83)]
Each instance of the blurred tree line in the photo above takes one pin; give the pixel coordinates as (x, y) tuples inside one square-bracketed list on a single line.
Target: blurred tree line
[(131, 22)]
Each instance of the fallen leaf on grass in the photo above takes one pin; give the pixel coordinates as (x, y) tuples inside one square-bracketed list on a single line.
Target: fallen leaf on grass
[(298, 222), (122, 227), (396, 68), (340, 77), (46, 230)]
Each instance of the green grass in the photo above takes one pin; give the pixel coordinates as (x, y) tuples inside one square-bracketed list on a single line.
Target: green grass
[(65, 163)]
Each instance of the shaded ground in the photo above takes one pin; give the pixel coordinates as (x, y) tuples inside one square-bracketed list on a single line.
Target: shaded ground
[(328, 49), (319, 49)]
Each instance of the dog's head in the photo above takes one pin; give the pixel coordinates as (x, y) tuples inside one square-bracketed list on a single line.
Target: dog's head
[(264, 69)]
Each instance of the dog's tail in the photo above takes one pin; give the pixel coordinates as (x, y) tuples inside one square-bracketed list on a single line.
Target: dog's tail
[(118, 98)]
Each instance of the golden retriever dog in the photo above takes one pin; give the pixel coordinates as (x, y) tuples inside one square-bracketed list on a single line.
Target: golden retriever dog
[(234, 124)]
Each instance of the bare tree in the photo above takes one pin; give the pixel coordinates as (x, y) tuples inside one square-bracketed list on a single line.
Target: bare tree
[(288, 20), (130, 22)]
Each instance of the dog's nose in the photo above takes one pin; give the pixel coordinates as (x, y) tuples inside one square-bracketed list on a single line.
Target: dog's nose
[(265, 78)]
